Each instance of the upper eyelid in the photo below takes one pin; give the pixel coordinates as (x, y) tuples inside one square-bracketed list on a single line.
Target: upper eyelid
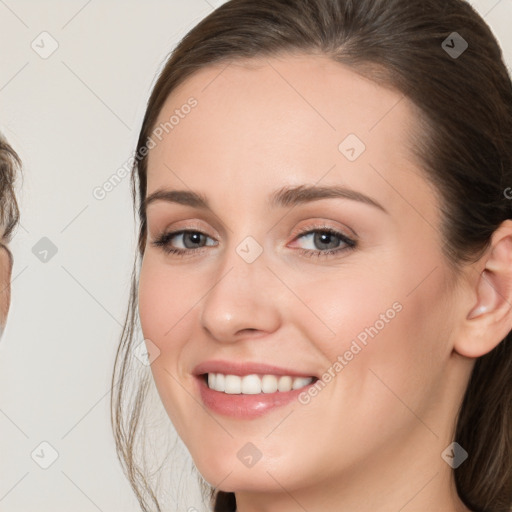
[(197, 227)]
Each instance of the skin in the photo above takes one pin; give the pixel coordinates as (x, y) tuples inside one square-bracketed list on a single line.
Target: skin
[(6, 264), (372, 439)]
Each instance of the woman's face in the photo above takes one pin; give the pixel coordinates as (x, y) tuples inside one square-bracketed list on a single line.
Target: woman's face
[(367, 309)]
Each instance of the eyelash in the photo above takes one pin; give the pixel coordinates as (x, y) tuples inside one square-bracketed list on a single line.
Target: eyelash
[(163, 242)]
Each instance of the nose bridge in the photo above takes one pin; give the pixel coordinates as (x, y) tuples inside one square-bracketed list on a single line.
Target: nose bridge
[(241, 295)]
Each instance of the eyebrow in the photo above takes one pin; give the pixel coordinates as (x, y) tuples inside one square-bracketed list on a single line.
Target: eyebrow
[(283, 197)]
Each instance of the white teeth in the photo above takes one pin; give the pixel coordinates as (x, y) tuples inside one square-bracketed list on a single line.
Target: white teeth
[(300, 382), (254, 384), (219, 382), (284, 383), (268, 384), (251, 385), (232, 385)]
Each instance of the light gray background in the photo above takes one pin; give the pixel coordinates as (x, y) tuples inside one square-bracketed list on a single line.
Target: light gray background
[(74, 118)]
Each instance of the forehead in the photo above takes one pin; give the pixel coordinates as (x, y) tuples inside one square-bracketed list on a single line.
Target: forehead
[(286, 120)]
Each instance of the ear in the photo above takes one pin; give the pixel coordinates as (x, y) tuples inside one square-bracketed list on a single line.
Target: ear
[(490, 318)]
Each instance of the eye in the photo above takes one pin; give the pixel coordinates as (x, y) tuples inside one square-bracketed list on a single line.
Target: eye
[(327, 239), (189, 241)]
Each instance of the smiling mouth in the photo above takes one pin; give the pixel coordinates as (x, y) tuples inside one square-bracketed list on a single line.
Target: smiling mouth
[(254, 384)]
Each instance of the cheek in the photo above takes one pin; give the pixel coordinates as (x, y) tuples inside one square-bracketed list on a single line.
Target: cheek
[(358, 305), (163, 306), (386, 338), (162, 302), (151, 298)]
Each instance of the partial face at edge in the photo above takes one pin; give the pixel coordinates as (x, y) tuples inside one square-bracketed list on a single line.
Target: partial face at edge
[(6, 264), (256, 129)]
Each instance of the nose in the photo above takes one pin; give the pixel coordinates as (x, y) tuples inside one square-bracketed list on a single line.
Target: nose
[(245, 298)]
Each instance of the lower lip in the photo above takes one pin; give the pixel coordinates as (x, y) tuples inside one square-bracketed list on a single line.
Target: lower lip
[(245, 406)]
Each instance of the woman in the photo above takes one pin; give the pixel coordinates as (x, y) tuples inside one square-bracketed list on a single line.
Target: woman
[(9, 218), (325, 279)]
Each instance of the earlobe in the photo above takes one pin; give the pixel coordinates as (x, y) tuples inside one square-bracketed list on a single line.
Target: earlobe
[(490, 318)]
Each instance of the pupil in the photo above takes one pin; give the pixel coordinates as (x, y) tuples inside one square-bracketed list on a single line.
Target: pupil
[(325, 238), (195, 237)]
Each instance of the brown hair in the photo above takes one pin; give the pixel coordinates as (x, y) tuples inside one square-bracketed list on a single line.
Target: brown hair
[(10, 166), (465, 149)]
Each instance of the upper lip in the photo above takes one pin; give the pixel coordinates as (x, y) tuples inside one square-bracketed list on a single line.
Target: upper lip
[(245, 368)]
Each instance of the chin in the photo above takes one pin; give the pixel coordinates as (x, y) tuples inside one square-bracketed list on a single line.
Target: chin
[(236, 478)]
